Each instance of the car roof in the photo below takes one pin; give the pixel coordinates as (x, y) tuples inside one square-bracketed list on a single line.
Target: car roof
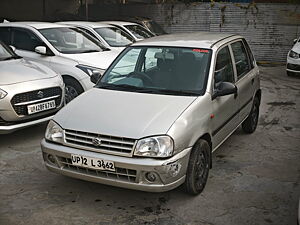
[(86, 23), (120, 23), (36, 25), (193, 40)]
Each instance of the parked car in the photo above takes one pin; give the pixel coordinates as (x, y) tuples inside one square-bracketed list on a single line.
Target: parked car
[(65, 49), (148, 23), (293, 59), (30, 93), (110, 36), (136, 31), (153, 128)]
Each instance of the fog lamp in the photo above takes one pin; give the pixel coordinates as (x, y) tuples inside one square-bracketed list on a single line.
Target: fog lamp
[(51, 158), (151, 176)]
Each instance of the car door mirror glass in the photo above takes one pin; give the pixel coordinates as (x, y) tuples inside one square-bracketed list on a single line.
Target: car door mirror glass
[(41, 50), (224, 88), (95, 76)]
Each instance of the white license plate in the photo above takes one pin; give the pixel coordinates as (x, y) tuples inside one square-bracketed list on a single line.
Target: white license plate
[(93, 163), (41, 107)]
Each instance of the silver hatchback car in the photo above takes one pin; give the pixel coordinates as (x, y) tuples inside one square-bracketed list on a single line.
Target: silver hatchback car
[(153, 120), (30, 93)]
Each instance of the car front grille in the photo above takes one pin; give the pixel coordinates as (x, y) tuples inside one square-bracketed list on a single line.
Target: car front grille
[(109, 144), (121, 174), (22, 100), (293, 67)]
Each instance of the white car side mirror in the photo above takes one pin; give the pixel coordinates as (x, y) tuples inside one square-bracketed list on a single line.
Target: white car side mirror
[(13, 48), (41, 50)]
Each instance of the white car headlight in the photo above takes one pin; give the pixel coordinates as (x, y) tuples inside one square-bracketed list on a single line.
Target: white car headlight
[(89, 70), (294, 55), (2, 93), (158, 146), (54, 132)]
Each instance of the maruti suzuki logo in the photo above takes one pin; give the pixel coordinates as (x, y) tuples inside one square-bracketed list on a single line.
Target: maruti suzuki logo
[(96, 142), (40, 94)]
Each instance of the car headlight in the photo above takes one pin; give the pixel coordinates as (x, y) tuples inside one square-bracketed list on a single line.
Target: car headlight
[(294, 55), (89, 70), (2, 93), (54, 132), (157, 146)]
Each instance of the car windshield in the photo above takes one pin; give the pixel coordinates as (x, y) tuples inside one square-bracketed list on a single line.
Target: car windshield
[(160, 70), (139, 31), (114, 36), (6, 53), (70, 40)]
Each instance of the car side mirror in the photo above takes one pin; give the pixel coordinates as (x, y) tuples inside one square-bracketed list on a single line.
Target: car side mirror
[(295, 41), (95, 77), (224, 88), (41, 50), (13, 48)]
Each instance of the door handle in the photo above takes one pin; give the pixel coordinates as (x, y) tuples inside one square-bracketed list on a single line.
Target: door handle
[(252, 81)]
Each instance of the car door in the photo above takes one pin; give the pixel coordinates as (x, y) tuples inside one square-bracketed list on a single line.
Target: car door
[(224, 108), (25, 42), (245, 78)]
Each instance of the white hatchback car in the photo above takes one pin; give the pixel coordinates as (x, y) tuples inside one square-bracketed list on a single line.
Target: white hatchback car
[(293, 59), (110, 36), (137, 31), (67, 50)]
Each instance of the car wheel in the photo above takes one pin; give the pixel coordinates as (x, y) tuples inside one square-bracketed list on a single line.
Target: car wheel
[(73, 89), (250, 124), (198, 168)]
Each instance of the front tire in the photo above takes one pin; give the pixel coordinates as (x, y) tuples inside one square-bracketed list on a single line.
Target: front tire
[(198, 168), (73, 88), (250, 124)]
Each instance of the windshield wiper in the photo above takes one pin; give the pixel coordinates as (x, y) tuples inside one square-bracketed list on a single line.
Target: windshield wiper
[(11, 57), (125, 87), (178, 92), (89, 51)]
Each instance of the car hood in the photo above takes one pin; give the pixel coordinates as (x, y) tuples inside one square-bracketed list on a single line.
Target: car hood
[(21, 70), (122, 114), (296, 48), (99, 60)]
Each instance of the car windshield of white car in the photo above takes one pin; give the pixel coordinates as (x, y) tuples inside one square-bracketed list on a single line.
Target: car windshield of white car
[(6, 53), (71, 40), (114, 36), (139, 31), (161, 70)]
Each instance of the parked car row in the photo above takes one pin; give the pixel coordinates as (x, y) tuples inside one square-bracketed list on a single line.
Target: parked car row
[(73, 51)]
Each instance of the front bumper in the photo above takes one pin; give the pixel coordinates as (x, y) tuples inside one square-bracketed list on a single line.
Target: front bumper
[(293, 65), (130, 172), (11, 128)]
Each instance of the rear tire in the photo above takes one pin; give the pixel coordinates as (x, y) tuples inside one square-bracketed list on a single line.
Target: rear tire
[(73, 88), (198, 168), (250, 124)]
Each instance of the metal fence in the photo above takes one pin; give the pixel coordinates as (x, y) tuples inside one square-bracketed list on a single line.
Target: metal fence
[(269, 28)]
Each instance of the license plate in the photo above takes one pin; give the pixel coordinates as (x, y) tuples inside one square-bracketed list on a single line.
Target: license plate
[(92, 163), (41, 107)]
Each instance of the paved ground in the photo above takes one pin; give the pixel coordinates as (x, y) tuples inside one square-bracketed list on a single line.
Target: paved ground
[(255, 178)]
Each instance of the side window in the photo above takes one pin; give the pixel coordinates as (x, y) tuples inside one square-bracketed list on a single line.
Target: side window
[(224, 69), (241, 59), (25, 40), (249, 54), (5, 35)]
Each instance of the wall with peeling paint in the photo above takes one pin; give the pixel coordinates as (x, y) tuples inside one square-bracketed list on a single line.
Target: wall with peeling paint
[(269, 28)]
